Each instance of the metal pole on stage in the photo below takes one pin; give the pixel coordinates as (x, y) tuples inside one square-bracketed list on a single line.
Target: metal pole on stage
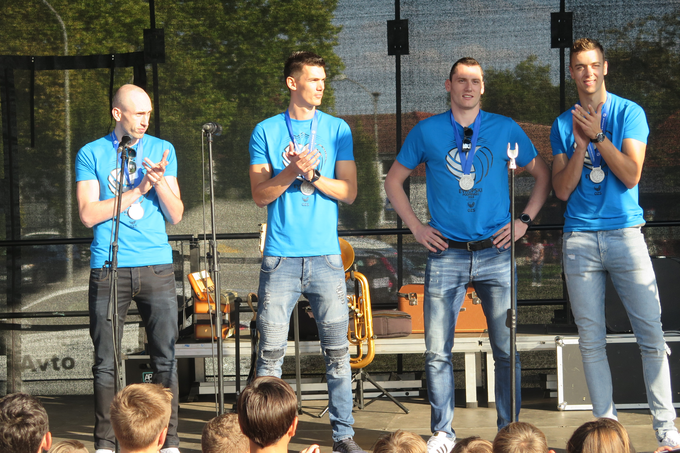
[(112, 313), (210, 129), (512, 312)]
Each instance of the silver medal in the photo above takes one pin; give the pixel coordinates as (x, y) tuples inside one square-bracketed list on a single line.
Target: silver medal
[(466, 182), (307, 188), (597, 175), (136, 211)]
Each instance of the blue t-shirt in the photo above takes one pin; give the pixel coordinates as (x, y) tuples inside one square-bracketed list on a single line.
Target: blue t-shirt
[(298, 224), (141, 242), (608, 205), (475, 214)]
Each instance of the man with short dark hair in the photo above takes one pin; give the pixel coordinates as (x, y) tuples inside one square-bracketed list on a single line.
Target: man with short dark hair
[(301, 167), (24, 425), (465, 151), (150, 197), (267, 413), (599, 147)]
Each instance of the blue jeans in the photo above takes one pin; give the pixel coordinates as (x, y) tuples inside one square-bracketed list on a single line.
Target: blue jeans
[(446, 279), (153, 289), (588, 257), (321, 279)]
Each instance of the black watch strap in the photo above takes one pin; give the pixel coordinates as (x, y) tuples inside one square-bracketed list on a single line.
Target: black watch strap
[(599, 138)]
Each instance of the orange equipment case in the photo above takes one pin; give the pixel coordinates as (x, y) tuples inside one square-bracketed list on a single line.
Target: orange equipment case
[(470, 319)]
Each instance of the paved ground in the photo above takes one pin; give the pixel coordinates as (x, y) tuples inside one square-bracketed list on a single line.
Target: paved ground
[(71, 417)]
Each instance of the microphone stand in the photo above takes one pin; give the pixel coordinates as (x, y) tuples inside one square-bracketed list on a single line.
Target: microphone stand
[(112, 313), (512, 312), (215, 275)]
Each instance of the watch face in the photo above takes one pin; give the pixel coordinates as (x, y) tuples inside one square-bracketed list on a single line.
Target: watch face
[(525, 218), (599, 138)]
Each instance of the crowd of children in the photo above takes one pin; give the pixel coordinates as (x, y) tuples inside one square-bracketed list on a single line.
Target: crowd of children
[(266, 422)]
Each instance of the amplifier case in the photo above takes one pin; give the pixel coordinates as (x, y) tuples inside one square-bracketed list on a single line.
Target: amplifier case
[(667, 271), (625, 364)]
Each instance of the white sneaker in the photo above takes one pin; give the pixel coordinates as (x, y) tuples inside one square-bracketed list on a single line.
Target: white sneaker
[(670, 439), (440, 443)]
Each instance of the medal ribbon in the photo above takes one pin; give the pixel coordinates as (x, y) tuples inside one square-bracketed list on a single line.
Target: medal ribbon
[(138, 158), (594, 153), (126, 170), (312, 135), (466, 158)]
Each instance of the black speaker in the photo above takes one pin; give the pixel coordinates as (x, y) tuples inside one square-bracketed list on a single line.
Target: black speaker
[(667, 272)]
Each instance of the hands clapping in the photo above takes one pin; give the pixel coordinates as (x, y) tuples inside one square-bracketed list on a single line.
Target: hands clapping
[(154, 172), (303, 161)]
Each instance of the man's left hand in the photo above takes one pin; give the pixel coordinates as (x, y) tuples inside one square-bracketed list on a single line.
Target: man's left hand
[(588, 120), (501, 238), (155, 172)]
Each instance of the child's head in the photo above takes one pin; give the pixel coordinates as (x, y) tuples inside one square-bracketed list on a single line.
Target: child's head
[(520, 437), (603, 435), (473, 444), (140, 414), (223, 434), (69, 446), (400, 442), (24, 425), (267, 410)]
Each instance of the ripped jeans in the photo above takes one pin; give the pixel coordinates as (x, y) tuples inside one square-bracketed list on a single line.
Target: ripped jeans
[(321, 279)]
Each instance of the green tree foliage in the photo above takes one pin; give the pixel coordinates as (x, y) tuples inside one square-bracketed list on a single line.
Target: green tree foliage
[(525, 94), (33, 29), (365, 211), (223, 63), (227, 62), (644, 65)]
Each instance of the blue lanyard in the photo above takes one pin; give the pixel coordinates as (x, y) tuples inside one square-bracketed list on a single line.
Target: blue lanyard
[(312, 135), (138, 158), (466, 158), (595, 156)]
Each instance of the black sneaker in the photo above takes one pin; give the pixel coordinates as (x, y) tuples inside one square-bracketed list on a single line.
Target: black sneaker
[(347, 446)]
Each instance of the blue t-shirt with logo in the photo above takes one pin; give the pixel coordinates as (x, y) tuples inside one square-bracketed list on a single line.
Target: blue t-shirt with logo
[(142, 242), (298, 224), (608, 205), (475, 214)]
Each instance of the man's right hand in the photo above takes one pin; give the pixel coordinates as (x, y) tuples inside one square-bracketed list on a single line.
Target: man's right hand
[(580, 138), (432, 239)]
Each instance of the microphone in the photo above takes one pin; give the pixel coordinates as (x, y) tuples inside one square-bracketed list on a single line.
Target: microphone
[(212, 128), (124, 142)]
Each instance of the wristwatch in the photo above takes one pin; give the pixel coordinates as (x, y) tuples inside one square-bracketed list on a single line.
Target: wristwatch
[(316, 177), (524, 218), (599, 138)]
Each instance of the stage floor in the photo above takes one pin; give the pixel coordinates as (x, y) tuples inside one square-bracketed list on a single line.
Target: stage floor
[(71, 417)]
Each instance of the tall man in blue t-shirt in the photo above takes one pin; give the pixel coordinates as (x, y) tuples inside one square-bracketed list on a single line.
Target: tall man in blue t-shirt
[(145, 273), (301, 165), (599, 147), (465, 154)]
